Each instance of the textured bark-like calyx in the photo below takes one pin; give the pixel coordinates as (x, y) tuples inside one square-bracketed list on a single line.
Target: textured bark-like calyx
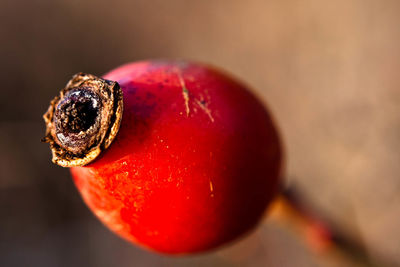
[(83, 120)]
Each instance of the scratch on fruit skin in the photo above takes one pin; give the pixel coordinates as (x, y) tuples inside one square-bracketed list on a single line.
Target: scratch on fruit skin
[(202, 104), (186, 97), (185, 93)]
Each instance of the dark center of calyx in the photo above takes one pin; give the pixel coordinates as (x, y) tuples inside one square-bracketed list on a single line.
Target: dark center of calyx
[(77, 117)]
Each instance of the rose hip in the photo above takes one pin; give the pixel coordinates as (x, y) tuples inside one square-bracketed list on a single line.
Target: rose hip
[(194, 164)]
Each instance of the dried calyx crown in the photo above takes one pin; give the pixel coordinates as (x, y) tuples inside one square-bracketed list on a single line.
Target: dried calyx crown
[(83, 120)]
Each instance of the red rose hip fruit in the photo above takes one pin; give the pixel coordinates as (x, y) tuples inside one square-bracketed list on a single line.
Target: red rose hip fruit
[(194, 164)]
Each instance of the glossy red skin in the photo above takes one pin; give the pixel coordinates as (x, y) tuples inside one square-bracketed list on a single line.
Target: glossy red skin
[(190, 169)]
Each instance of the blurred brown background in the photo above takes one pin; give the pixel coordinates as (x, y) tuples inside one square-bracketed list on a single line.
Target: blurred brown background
[(327, 69)]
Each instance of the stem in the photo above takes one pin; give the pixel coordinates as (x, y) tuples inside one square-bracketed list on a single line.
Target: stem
[(321, 236)]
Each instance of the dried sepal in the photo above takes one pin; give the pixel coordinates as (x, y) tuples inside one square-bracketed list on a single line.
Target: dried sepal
[(83, 120)]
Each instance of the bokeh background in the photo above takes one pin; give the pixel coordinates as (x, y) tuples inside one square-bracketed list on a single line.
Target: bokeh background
[(328, 70)]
